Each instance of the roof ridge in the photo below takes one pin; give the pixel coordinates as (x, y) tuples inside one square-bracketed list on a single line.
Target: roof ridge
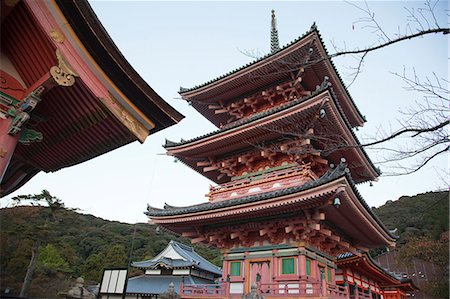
[(312, 29)]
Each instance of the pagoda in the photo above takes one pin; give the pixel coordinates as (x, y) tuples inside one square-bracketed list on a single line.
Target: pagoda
[(286, 162), (67, 94)]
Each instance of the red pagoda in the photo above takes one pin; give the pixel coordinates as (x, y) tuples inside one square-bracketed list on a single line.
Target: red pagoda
[(67, 94), (286, 162)]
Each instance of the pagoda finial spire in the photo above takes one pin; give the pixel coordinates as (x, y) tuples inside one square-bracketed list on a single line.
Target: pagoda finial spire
[(274, 43)]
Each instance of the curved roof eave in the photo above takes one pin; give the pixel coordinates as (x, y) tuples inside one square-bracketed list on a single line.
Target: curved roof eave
[(101, 47), (186, 91), (368, 260), (170, 144), (332, 175)]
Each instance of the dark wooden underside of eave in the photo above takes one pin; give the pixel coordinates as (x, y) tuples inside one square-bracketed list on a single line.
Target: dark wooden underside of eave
[(100, 46)]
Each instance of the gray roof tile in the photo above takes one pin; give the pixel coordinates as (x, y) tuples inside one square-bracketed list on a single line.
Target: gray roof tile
[(191, 259)]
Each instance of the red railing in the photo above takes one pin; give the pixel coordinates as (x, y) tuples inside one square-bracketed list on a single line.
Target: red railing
[(302, 287), (205, 290), (290, 288), (336, 291), (360, 295)]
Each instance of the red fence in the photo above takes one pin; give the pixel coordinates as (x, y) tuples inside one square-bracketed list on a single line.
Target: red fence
[(302, 287)]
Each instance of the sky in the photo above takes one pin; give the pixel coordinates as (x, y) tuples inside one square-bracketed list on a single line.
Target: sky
[(173, 44)]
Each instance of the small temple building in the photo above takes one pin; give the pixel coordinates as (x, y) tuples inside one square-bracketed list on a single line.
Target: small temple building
[(67, 94), (174, 267), (367, 278), (286, 162)]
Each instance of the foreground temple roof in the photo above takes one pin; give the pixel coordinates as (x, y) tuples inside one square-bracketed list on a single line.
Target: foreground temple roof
[(103, 106), (269, 70), (101, 47)]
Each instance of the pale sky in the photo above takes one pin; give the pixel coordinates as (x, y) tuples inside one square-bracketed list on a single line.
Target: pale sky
[(173, 44)]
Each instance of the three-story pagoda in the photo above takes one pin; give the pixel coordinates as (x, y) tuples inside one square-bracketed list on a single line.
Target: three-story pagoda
[(285, 161)]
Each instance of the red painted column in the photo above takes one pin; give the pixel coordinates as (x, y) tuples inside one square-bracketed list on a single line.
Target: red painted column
[(315, 269), (272, 263), (225, 270), (302, 273), (7, 145), (302, 265)]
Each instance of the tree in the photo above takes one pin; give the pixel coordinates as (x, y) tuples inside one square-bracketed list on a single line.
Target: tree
[(435, 251), (39, 235), (422, 132), (93, 267), (116, 256), (51, 260)]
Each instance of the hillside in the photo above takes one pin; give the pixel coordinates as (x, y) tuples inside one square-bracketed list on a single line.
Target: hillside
[(72, 245), (424, 214)]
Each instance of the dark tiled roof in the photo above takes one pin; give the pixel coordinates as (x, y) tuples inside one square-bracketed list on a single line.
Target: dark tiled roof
[(183, 89), (190, 259), (331, 175), (312, 29), (339, 171), (150, 284)]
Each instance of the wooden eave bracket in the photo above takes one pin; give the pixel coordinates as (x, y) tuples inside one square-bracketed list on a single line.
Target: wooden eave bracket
[(126, 118)]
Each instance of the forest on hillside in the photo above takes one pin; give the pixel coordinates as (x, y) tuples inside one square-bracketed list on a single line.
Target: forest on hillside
[(73, 244), (422, 224)]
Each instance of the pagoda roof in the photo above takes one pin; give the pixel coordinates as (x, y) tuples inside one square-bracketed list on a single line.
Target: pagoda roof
[(247, 79), (365, 263), (109, 105), (177, 255), (253, 123), (339, 177)]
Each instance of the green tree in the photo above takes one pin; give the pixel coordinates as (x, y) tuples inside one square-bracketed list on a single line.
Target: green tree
[(116, 257), (50, 260), (39, 235), (93, 268)]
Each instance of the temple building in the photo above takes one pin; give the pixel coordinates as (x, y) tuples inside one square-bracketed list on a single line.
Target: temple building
[(177, 265), (67, 94), (286, 162), (367, 278)]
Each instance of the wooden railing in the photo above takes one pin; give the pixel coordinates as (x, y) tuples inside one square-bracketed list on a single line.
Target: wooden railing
[(302, 287), (290, 288), (336, 291), (205, 290), (360, 295)]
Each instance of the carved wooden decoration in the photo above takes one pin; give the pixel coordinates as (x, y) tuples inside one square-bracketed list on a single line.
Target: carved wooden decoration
[(63, 74), (125, 117), (57, 36)]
